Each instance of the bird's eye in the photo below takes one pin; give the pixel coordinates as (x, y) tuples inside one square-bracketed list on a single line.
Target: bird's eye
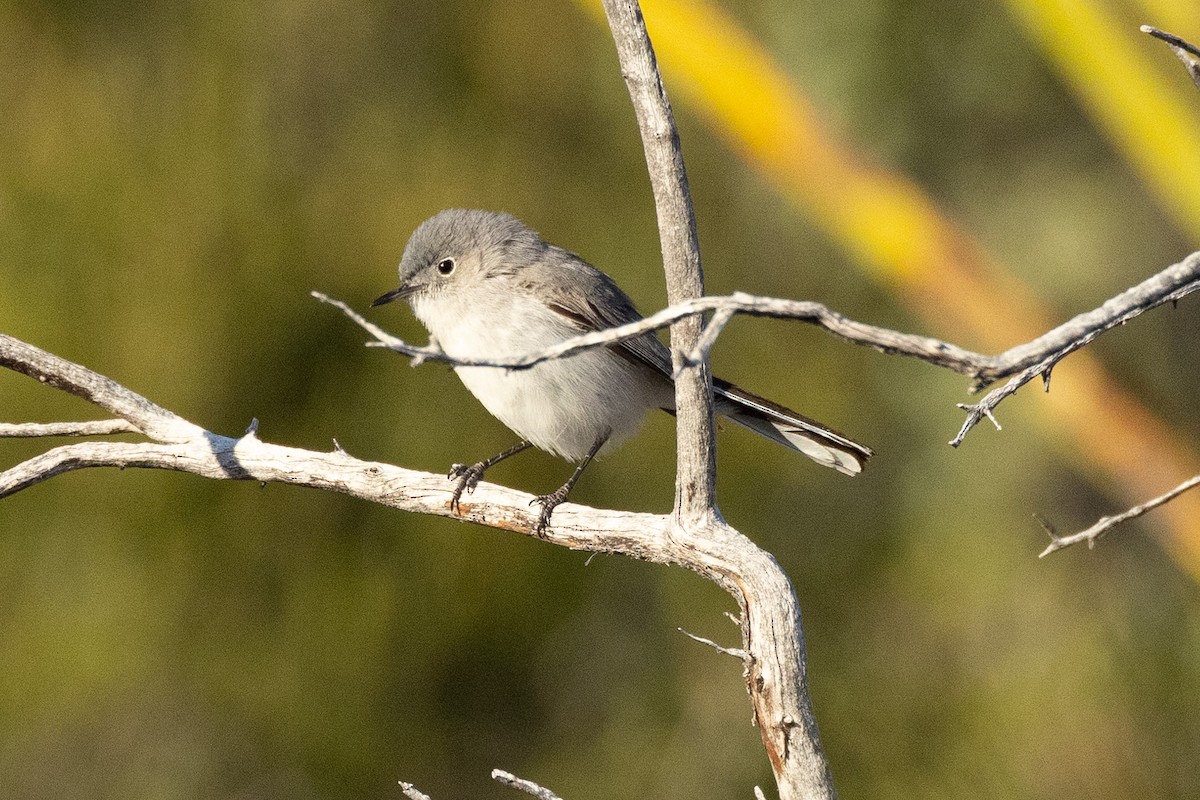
[(446, 266)]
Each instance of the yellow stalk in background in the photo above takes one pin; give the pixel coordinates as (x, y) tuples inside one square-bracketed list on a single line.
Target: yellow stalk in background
[(1151, 116), (897, 232)]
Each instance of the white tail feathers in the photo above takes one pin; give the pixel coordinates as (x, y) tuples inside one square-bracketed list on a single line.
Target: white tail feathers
[(796, 431)]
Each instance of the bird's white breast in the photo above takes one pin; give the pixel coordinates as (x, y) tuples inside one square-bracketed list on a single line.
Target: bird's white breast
[(563, 405)]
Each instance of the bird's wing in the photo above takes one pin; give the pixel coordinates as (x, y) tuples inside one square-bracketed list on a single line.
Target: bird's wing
[(592, 301)]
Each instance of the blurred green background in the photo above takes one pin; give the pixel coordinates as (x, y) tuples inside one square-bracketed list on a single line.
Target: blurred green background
[(176, 177)]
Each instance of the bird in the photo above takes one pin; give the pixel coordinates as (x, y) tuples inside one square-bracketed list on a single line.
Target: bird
[(488, 287)]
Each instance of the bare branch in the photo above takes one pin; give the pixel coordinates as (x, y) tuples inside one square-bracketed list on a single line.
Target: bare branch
[(1104, 524), (418, 354), (248, 458), (1022, 363), (1187, 52), (776, 674), (924, 348), (736, 652), (776, 670), (708, 339), (219, 457), (770, 617), (650, 537), (1041, 355), (695, 441), (29, 430), (412, 792), (529, 787), (152, 420)]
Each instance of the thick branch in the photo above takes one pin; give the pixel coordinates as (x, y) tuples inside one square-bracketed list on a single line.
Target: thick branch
[(774, 641), (695, 441), (770, 614), (210, 455), (249, 458)]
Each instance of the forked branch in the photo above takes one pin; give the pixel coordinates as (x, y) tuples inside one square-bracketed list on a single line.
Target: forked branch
[(1105, 524), (773, 651)]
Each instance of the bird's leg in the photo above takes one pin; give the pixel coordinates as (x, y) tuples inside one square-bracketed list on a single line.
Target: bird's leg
[(548, 502), (469, 475)]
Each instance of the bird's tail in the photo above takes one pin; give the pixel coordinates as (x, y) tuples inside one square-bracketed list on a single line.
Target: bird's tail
[(796, 431)]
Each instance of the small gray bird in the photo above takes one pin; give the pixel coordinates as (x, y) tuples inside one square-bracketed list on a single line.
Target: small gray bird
[(488, 287)]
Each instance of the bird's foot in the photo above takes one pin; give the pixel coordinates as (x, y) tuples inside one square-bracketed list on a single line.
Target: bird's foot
[(468, 476), (548, 502)]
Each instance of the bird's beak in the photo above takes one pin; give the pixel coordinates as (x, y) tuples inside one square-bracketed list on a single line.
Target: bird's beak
[(394, 294)]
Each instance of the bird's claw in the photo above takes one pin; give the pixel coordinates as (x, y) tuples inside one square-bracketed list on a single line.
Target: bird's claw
[(548, 502), (468, 476)]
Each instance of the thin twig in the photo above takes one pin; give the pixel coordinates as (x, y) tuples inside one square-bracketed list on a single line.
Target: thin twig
[(529, 787), (418, 354), (1168, 286), (412, 792), (922, 347), (1187, 52), (1104, 524), (736, 652), (1022, 363), (101, 427), (703, 349)]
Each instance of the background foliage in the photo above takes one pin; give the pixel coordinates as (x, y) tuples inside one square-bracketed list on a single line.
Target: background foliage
[(176, 177)]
